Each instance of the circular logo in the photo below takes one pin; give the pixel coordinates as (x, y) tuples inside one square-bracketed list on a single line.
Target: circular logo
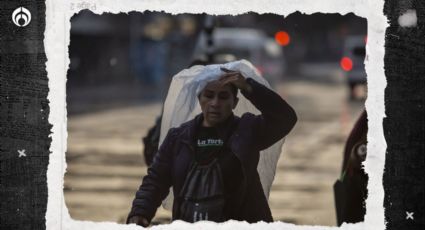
[(21, 17), (362, 151)]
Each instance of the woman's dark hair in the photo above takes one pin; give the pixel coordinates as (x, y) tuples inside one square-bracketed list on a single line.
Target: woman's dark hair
[(234, 90)]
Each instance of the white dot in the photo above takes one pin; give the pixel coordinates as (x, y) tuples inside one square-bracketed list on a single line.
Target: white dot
[(408, 19), (113, 61)]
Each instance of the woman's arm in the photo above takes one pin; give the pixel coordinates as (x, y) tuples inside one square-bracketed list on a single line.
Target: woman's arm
[(277, 117), (155, 185)]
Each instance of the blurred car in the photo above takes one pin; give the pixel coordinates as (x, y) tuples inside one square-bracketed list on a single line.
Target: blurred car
[(352, 63), (230, 44)]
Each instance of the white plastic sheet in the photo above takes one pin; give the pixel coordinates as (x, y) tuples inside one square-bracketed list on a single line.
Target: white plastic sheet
[(182, 105)]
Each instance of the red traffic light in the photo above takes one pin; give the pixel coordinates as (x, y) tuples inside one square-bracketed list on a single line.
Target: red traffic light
[(282, 38), (346, 64)]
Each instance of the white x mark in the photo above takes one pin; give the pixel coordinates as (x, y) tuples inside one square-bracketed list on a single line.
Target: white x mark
[(409, 215), (22, 153)]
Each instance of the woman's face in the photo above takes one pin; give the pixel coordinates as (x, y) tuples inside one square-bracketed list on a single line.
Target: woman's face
[(217, 103)]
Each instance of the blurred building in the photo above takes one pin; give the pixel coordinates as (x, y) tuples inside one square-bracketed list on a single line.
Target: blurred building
[(147, 49), (117, 48)]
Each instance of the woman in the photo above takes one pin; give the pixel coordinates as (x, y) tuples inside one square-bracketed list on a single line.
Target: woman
[(211, 161)]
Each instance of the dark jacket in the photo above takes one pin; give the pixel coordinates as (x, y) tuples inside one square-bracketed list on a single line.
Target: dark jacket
[(250, 134)]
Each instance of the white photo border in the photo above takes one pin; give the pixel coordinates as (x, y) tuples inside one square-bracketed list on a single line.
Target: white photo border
[(56, 42)]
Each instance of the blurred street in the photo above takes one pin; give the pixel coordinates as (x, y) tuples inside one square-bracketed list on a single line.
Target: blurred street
[(120, 69), (105, 161)]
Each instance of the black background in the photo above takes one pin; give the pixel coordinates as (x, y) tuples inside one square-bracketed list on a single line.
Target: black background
[(404, 125), (25, 110), (23, 118)]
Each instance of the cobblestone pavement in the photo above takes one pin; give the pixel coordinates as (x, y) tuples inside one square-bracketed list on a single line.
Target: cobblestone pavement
[(105, 162)]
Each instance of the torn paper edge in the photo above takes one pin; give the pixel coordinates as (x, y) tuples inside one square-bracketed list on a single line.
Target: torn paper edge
[(57, 38)]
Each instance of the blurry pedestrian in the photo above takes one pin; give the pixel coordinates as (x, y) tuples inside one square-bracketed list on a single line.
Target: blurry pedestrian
[(351, 188), (211, 161)]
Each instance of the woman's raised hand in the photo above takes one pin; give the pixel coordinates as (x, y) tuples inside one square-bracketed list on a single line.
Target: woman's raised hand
[(236, 78)]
